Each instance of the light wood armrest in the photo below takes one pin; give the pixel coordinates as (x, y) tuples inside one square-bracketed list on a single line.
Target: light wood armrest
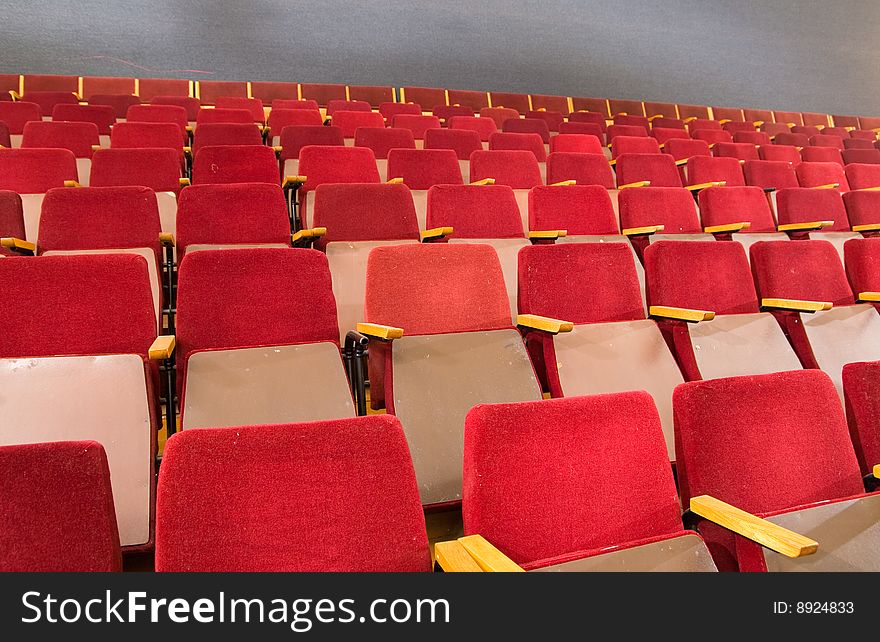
[(166, 238), (876, 188), (484, 181), (804, 227), (636, 184), (869, 296), (643, 231), (183, 182), (489, 558), (435, 233), (545, 324), (729, 227), (681, 161), (188, 128), (379, 331), (612, 162), (868, 227), (278, 149), (757, 123), (563, 183), (162, 347), (15, 95), (650, 118), (796, 305), (827, 186), (547, 234), (680, 314), (699, 186), (309, 234), (762, 531), (689, 119), (876, 471), (452, 557), (294, 181), (72, 184), (397, 180), (96, 148), (18, 244), (723, 121)]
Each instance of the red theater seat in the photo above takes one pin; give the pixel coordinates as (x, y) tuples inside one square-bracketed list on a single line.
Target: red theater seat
[(208, 91), (235, 164)]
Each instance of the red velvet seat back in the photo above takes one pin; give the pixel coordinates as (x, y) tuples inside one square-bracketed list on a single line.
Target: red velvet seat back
[(336, 164), (423, 168), (586, 169), (660, 169), (802, 205), (156, 168), (235, 164), (809, 270), (35, 171), (578, 209), (515, 168), (725, 205), (76, 137), (475, 211)]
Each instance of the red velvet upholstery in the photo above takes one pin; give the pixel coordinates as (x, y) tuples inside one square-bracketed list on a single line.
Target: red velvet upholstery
[(322, 93), (5, 140), (580, 282), (190, 104), (586, 169), (770, 174), (863, 208), (283, 103), (476, 100), (752, 138), (669, 122), (475, 211), (515, 168), (436, 288), (357, 470), (728, 113), (235, 164), (725, 205), (209, 91), (295, 137), (737, 126), (660, 169), (826, 140), (860, 388), (423, 95), (634, 145), (856, 156), (527, 126), (364, 212), (703, 123), (156, 168), (485, 127), (61, 321), (519, 102), (233, 213), (253, 105), (107, 85), (463, 142), (797, 140), (816, 174), (821, 155), (95, 218), (34, 171), (592, 117), (774, 129), (331, 164), (633, 120), (869, 122), (576, 143), (219, 115), (422, 168), (743, 151), (785, 153), (802, 205), (528, 142), (712, 136), (281, 118), (550, 103), (693, 111), (337, 105), (813, 118), (375, 95), (687, 275), (845, 121), (680, 148), (657, 109), (383, 139), (269, 91), (389, 109), (868, 135), (349, 121), (809, 130), (119, 103), (102, 116), (707, 169), (57, 509), (146, 135), (11, 217), (808, 270), (863, 176), (758, 114), (841, 132), (862, 258), (553, 118), (16, 114), (158, 114), (598, 105), (417, 124), (592, 129), (672, 207), (150, 87), (580, 209), (445, 112), (530, 484), (498, 114), (664, 134), (76, 137), (213, 134), (48, 99), (624, 130)]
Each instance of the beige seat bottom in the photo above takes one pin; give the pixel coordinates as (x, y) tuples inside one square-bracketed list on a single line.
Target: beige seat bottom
[(437, 380), (198, 247), (684, 554), (267, 385), (617, 357), (837, 239), (732, 345), (102, 398), (848, 534), (508, 253), (83, 170)]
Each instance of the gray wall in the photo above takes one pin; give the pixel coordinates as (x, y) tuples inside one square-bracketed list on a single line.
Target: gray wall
[(801, 55)]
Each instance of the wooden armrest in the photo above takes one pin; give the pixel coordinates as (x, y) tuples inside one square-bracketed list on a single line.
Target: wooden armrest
[(876, 188), (15, 95), (545, 324), (804, 227), (435, 233), (868, 227), (680, 314), (869, 296), (681, 161), (72, 184), (397, 180), (612, 162), (650, 118), (452, 557), (636, 184), (643, 231), (166, 238), (188, 128), (96, 148), (876, 471), (547, 234), (308, 234), (796, 305), (762, 531), (294, 181), (729, 227), (379, 331), (563, 183), (487, 557), (827, 186), (699, 186), (723, 121), (757, 123), (183, 182), (18, 244), (278, 149), (162, 347), (484, 181), (689, 119)]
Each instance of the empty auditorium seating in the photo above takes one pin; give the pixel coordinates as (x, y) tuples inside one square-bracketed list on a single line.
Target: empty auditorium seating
[(190, 104), (334, 106), (579, 143), (445, 112), (119, 103), (863, 210), (349, 121), (740, 151), (208, 91), (15, 115), (462, 141), (728, 113), (702, 123), (757, 116), (268, 91), (735, 126), (710, 170), (417, 124), (235, 164), (12, 223), (294, 137), (841, 132), (826, 140), (543, 102), (281, 118), (51, 82), (77, 137), (712, 136), (724, 210), (458, 349), (421, 169), (822, 175), (322, 93), (148, 88), (693, 112), (48, 99), (753, 138), (268, 315), (106, 85), (589, 117), (519, 102), (862, 176), (584, 169), (624, 130), (423, 95), (485, 127), (388, 110), (285, 103), (526, 126), (819, 154), (821, 213), (160, 114), (770, 175), (857, 143), (656, 110), (592, 129), (371, 518), (682, 149), (31, 173), (382, 140), (553, 118), (528, 142), (136, 135), (790, 118), (102, 116), (658, 170), (596, 105), (786, 153), (796, 140), (634, 145), (219, 115), (662, 134), (45, 485), (253, 105), (475, 100), (372, 94), (518, 169), (626, 107), (498, 114)]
